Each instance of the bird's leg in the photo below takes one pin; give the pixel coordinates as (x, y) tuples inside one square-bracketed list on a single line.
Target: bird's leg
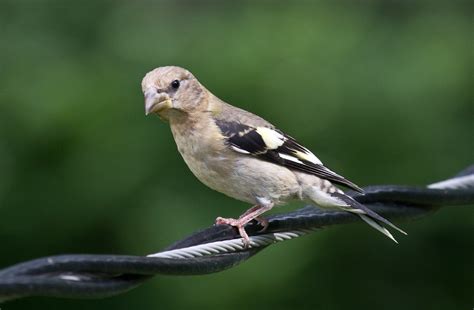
[(256, 207), (249, 215), (238, 224), (229, 221)]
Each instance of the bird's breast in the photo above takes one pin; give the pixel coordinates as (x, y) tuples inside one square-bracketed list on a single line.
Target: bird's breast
[(204, 152)]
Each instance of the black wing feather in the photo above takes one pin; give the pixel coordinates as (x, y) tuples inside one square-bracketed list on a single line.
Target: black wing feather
[(242, 136), (321, 172), (247, 139)]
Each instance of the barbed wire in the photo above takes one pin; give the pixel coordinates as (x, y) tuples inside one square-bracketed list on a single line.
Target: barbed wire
[(218, 247)]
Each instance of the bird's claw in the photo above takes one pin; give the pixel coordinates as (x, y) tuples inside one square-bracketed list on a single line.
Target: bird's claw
[(239, 224), (263, 222)]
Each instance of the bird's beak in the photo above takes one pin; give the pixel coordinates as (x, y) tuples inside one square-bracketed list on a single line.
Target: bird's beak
[(156, 102)]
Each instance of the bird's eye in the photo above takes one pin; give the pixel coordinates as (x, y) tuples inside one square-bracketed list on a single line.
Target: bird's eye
[(175, 84)]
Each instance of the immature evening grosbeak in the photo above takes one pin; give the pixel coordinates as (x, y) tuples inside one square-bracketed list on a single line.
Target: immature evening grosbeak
[(242, 155)]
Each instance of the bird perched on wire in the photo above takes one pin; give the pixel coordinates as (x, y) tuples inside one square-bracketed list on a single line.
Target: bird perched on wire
[(242, 155)]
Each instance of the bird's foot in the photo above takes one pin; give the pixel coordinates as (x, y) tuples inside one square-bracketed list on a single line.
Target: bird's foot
[(249, 215), (263, 222), (239, 224)]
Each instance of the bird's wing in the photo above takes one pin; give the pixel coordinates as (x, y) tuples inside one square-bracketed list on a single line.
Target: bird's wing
[(272, 145)]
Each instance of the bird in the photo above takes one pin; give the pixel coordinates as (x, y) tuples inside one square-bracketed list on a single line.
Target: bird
[(243, 156)]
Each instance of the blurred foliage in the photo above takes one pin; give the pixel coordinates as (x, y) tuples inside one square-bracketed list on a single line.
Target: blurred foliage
[(380, 90)]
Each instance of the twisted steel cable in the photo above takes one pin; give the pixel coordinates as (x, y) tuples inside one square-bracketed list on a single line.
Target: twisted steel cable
[(218, 247)]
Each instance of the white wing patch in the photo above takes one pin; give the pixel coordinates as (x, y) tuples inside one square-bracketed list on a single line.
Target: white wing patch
[(308, 156), (239, 150), (272, 138), (290, 158)]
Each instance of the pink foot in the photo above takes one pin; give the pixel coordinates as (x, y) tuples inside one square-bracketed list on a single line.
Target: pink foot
[(249, 215), (240, 226)]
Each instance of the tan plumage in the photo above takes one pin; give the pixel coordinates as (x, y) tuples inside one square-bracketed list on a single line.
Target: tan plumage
[(242, 155)]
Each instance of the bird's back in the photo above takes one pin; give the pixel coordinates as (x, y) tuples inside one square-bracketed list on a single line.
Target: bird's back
[(230, 113)]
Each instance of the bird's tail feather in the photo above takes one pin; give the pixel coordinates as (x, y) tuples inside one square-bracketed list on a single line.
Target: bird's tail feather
[(369, 216), (379, 218), (377, 226)]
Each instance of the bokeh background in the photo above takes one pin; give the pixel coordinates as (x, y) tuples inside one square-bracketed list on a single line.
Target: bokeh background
[(380, 90)]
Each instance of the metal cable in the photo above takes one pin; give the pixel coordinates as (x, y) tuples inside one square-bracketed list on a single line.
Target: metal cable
[(218, 247), (229, 246)]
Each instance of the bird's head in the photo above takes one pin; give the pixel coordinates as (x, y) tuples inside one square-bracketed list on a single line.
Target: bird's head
[(171, 90)]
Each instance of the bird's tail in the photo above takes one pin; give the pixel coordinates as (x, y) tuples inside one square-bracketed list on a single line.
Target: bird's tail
[(339, 200), (369, 216)]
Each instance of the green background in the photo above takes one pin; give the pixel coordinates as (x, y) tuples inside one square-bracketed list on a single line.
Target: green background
[(381, 91)]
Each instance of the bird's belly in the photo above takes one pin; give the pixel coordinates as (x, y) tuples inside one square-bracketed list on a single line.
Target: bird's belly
[(205, 171), (242, 177), (245, 178)]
